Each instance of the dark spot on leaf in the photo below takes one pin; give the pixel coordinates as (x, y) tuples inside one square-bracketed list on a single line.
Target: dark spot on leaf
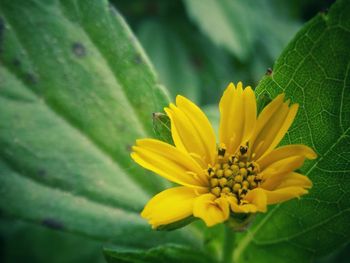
[(42, 172), (79, 49), (207, 241), (152, 8), (138, 59), (269, 72), (16, 62), (32, 78), (128, 148), (2, 30), (197, 62), (52, 223)]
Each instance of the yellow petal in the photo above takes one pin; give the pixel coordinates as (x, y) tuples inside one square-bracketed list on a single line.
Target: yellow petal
[(250, 111), (191, 130), (271, 181), (285, 179), (245, 208), (293, 110), (224, 206), (283, 166), (201, 124), (273, 123), (284, 194), (174, 131), (169, 162), (285, 152), (231, 107), (271, 129), (256, 202), (169, 206), (210, 210), (183, 132), (258, 198), (295, 179), (265, 116), (237, 116)]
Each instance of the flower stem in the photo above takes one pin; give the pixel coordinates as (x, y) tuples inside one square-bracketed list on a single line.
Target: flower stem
[(229, 241)]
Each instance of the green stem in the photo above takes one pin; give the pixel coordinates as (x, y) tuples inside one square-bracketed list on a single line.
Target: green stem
[(229, 242)]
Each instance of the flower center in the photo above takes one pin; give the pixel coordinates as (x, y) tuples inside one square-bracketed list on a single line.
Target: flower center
[(234, 174)]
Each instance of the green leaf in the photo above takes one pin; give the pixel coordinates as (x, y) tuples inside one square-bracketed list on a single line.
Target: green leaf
[(161, 254), (32, 243), (161, 126), (242, 26), (178, 224), (314, 71), (76, 91), (340, 256), (170, 58), (224, 23)]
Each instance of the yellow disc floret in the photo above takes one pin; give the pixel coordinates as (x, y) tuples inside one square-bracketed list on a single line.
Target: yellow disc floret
[(233, 175)]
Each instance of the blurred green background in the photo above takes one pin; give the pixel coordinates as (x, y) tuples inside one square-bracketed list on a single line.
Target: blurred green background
[(198, 47), (193, 58)]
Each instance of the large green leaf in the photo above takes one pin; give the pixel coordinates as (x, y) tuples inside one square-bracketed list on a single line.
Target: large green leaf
[(161, 254), (340, 256), (243, 26), (314, 71), (75, 92), (33, 243)]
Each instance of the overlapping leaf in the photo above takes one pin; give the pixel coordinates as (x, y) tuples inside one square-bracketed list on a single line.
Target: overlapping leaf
[(314, 72), (75, 92)]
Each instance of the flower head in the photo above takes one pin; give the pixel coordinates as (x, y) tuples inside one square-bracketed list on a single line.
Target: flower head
[(243, 173)]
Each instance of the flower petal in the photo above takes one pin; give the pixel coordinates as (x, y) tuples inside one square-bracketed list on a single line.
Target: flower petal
[(277, 181), (201, 123), (191, 130), (295, 179), (292, 113), (169, 206), (283, 166), (284, 194), (264, 118), (169, 162), (285, 152), (250, 110), (245, 208), (273, 123), (273, 180), (237, 116), (210, 209), (229, 107), (258, 198), (256, 202)]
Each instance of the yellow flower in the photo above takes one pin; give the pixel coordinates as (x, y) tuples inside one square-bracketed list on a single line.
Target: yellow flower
[(244, 174)]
